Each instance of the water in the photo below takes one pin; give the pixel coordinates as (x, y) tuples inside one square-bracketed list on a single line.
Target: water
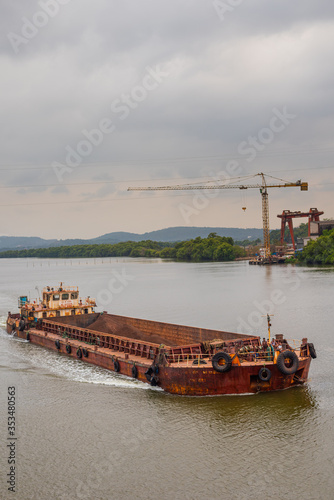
[(85, 433)]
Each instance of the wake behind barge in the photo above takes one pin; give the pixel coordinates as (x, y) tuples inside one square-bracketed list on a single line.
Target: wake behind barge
[(179, 359)]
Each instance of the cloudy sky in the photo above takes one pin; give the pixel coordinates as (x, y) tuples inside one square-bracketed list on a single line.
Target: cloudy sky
[(99, 96)]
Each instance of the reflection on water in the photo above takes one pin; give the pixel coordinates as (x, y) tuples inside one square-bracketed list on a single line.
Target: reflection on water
[(87, 433), (293, 407)]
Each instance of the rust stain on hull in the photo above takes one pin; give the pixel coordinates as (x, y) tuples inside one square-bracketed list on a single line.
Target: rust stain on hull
[(169, 366)]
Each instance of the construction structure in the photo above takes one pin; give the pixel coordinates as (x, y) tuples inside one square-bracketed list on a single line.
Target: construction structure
[(317, 228), (286, 218), (263, 187)]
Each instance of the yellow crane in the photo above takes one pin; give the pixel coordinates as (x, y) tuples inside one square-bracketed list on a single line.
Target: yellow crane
[(263, 187)]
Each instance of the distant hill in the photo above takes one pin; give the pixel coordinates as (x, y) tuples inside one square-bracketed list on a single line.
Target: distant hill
[(180, 234), (22, 242), (25, 242), (170, 234)]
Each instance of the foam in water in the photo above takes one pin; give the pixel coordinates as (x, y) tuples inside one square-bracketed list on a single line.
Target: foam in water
[(71, 369), (3, 321)]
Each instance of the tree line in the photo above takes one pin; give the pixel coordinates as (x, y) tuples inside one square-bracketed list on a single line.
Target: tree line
[(319, 251), (212, 248)]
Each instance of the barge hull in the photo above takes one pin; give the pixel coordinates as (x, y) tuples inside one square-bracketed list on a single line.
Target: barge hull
[(177, 378)]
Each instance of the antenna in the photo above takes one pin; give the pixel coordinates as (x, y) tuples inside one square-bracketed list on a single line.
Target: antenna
[(269, 324)]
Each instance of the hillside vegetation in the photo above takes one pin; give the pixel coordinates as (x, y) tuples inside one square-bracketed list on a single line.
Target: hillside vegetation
[(319, 251), (212, 248), (299, 232)]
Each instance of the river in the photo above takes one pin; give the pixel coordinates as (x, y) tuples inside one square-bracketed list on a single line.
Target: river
[(85, 433)]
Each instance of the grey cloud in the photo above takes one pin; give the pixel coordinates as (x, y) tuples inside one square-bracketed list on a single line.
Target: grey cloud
[(59, 189), (225, 79)]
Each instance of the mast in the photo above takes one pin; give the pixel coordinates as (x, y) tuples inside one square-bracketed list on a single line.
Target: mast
[(265, 218)]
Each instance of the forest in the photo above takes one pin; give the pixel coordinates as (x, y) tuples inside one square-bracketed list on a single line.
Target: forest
[(212, 248), (319, 251)]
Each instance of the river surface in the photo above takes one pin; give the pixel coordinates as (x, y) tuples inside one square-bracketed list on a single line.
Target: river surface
[(86, 433)]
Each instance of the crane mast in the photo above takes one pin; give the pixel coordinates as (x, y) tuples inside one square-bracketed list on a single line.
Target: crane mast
[(265, 219), (263, 187)]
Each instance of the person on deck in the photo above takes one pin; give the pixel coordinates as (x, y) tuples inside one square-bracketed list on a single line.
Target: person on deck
[(264, 344)]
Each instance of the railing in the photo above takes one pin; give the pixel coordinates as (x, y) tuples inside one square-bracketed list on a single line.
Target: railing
[(142, 349), (294, 344), (245, 351), (248, 350), (62, 289), (90, 302), (182, 353), (202, 359)]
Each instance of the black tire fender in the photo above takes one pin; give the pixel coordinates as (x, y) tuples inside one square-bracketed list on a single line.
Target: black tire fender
[(154, 381), (57, 344), (294, 362), (149, 373), (312, 351), (85, 353), (264, 374), (79, 353), (68, 348), (28, 336), (116, 365), (222, 362), (134, 371)]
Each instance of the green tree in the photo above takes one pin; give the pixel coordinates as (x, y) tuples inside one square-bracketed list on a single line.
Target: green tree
[(224, 252), (319, 251)]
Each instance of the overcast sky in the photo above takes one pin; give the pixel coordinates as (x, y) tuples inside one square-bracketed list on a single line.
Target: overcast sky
[(99, 96)]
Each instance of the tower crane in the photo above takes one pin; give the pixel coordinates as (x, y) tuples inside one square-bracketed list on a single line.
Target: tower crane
[(263, 186)]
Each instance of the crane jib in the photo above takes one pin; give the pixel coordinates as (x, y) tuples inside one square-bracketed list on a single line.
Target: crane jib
[(264, 194), (303, 187)]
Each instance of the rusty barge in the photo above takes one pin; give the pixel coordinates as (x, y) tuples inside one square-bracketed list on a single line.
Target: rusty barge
[(180, 359)]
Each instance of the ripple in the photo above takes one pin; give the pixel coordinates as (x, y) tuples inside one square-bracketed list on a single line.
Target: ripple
[(58, 365)]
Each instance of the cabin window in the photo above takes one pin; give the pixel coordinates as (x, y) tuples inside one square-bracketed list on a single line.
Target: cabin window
[(45, 315), (56, 296), (73, 312), (57, 313), (74, 296), (86, 311), (65, 296)]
